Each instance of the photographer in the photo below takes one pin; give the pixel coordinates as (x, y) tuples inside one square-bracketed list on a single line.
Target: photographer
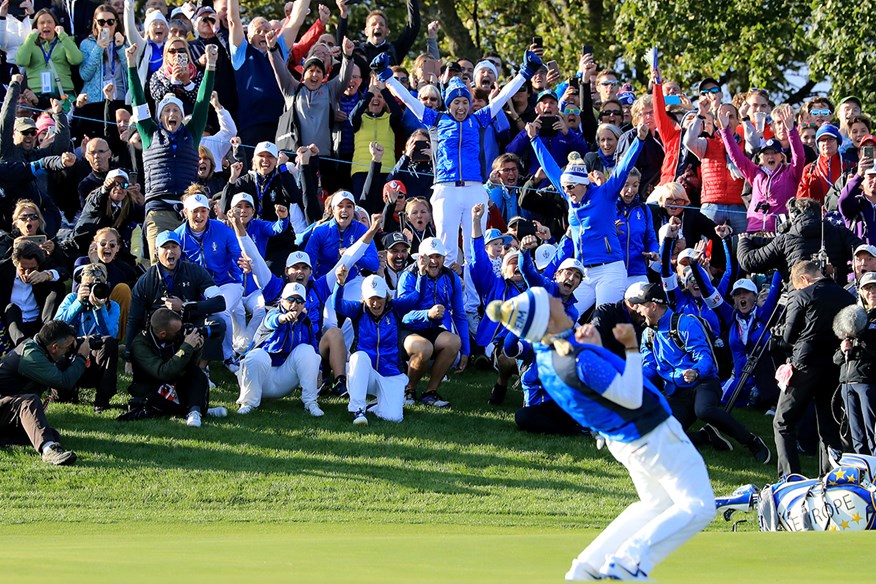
[(166, 372), (93, 315), (51, 359), (181, 286)]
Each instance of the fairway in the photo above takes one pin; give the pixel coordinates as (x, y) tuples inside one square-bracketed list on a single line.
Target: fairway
[(446, 496)]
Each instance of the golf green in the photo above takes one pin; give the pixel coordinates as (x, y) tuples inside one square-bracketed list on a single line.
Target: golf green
[(312, 552)]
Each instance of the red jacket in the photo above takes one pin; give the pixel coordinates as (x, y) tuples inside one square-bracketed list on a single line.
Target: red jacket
[(719, 186)]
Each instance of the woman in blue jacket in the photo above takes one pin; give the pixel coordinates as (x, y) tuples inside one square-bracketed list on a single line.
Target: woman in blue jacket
[(591, 206), (328, 240), (375, 366), (491, 287), (459, 180), (635, 228), (212, 245)]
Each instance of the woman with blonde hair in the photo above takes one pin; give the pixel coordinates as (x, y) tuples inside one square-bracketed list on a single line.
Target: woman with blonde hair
[(670, 204), (177, 74), (28, 221)]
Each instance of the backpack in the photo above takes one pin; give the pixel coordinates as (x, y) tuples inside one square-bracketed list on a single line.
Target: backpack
[(711, 339)]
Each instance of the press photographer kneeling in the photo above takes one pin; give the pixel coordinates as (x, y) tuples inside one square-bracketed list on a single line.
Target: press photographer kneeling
[(166, 372), (92, 314)]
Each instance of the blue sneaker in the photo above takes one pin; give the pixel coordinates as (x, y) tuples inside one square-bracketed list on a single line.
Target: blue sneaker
[(431, 398)]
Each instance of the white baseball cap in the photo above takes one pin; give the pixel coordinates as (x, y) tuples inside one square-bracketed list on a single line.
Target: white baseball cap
[(118, 173), (743, 284), (374, 287), (544, 254), (689, 254), (432, 246), (298, 257), (635, 290), (196, 202), (571, 264), (340, 196), (294, 289), (240, 198), (870, 249), (268, 147)]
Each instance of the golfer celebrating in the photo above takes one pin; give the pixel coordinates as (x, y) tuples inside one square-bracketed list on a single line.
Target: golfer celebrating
[(603, 393)]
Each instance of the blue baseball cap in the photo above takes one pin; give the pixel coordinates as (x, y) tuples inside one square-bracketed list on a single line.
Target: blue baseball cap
[(167, 237), (829, 131), (494, 234), (774, 145), (546, 93)]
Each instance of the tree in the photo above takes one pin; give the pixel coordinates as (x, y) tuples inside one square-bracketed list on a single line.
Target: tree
[(845, 33)]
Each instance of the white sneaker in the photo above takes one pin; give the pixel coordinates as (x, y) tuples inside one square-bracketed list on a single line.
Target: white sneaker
[(314, 410), (217, 412), (359, 418), (613, 570), (245, 409), (581, 572), (193, 420)]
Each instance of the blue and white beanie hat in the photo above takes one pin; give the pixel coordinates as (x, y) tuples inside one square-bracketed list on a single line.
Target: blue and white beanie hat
[(456, 88), (575, 172), (525, 315)]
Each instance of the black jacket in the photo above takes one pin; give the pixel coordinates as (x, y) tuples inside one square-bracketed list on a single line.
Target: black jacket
[(280, 188), (801, 242), (605, 318), (190, 282), (859, 366), (694, 226), (809, 323)]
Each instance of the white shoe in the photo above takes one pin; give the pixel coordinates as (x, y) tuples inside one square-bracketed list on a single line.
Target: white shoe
[(359, 418), (581, 572), (613, 570), (245, 409), (193, 420), (217, 412), (314, 410)]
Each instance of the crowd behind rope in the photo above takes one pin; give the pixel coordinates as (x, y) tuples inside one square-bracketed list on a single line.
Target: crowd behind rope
[(182, 190)]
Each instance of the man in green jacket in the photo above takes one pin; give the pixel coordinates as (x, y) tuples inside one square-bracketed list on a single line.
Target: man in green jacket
[(166, 372), (33, 367)]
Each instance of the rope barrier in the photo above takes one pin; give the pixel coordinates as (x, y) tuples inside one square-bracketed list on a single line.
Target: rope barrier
[(387, 170)]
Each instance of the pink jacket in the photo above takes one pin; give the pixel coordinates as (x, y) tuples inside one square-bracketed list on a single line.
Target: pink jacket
[(776, 189)]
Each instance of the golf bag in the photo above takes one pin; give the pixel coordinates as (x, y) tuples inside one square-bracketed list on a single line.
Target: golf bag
[(842, 500)]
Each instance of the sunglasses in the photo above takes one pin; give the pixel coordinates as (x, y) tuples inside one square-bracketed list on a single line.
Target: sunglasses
[(294, 300), (208, 19), (109, 244), (571, 111), (107, 22), (28, 217), (402, 79), (821, 112), (606, 113), (28, 133), (809, 125), (180, 51), (569, 187), (608, 83), (710, 90)]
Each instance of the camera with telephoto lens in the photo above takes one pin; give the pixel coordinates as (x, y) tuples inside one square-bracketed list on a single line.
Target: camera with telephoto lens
[(100, 290), (206, 331), (95, 342)]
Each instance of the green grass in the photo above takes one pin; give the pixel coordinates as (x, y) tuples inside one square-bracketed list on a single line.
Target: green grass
[(456, 495)]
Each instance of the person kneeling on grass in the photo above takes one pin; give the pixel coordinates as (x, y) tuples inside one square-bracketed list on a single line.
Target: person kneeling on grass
[(50, 359), (166, 373), (285, 354), (609, 395), (430, 298), (375, 365)]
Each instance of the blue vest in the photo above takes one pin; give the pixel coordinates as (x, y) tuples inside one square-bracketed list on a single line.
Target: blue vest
[(582, 399), (260, 99), (170, 164)]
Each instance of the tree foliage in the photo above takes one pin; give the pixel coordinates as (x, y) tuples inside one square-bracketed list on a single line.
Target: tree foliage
[(744, 43), (846, 37)]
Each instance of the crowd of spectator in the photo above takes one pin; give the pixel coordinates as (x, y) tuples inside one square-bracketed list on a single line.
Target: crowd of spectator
[(181, 190)]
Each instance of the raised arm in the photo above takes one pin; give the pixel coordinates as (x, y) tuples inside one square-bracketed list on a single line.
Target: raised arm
[(134, 36), (531, 65), (408, 36), (300, 9), (748, 169), (282, 75), (235, 26), (198, 121), (146, 126), (692, 139)]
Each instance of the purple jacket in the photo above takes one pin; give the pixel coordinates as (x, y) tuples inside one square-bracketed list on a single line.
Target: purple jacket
[(776, 189), (858, 213)]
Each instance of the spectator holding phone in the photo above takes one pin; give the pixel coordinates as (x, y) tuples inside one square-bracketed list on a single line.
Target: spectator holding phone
[(857, 201), (177, 76), (103, 64)]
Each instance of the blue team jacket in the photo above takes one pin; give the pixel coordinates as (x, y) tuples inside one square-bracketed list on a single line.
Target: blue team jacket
[(325, 242), (416, 294), (489, 287), (217, 251), (668, 361), (377, 337)]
